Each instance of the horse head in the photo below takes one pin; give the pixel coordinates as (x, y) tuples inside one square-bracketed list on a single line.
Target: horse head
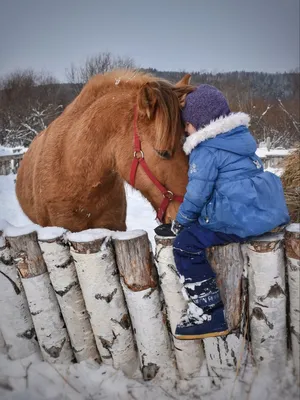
[(160, 131)]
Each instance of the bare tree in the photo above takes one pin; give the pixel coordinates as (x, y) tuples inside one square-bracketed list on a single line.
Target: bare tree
[(29, 101), (98, 64)]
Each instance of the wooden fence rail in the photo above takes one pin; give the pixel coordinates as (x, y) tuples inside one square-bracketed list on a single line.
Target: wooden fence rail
[(10, 163), (104, 296)]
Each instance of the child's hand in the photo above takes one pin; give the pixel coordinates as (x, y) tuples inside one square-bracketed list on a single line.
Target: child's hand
[(176, 227)]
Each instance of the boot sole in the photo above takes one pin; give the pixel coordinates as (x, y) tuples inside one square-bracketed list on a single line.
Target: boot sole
[(204, 336)]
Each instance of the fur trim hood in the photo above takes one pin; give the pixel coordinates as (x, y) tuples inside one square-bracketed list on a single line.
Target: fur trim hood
[(221, 125)]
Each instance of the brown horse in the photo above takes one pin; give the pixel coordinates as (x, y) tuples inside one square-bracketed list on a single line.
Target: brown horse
[(73, 173)]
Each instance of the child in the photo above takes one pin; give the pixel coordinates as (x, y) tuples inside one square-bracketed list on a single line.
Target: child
[(228, 198)]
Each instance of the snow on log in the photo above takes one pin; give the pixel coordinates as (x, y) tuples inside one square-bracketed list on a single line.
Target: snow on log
[(49, 325), (139, 282), (63, 276), (292, 251), (15, 320), (267, 301), (189, 353), (225, 354), (104, 299)]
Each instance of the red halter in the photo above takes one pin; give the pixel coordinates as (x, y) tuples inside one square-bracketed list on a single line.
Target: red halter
[(138, 159)]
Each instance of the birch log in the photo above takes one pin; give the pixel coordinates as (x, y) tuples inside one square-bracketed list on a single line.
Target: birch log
[(267, 301), (139, 282), (189, 354), (228, 263), (63, 276), (3, 348), (105, 303), (15, 319), (49, 325), (292, 250), (224, 354)]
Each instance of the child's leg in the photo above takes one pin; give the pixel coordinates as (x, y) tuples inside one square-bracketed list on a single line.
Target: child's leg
[(200, 280)]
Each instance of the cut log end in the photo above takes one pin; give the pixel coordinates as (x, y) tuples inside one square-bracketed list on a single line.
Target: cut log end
[(135, 263), (87, 247), (27, 254)]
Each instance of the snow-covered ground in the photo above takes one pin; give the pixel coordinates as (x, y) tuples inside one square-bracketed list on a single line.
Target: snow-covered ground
[(6, 151), (140, 214), (35, 380)]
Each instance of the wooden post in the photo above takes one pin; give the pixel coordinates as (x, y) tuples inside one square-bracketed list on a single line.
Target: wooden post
[(139, 282), (49, 325), (225, 354), (267, 301), (292, 250), (62, 272), (189, 353), (15, 319), (104, 299)]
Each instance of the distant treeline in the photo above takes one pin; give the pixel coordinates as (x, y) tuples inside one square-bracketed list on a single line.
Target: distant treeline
[(30, 101)]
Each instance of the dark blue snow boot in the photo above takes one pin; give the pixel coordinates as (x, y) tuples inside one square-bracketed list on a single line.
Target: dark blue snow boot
[(204, 294), (196, 324), (204, 316)]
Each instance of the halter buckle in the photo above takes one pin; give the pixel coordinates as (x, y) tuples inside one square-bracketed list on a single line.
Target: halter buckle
[(169, 195), (139, 154)]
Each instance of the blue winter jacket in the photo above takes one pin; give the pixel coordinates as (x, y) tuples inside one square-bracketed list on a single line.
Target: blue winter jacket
[(228, 190)]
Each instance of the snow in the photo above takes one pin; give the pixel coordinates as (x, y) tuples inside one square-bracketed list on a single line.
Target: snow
[(264, 152), (88, 235), (7, 151), (276, 171), (50, 233), (13, 231), (33, 380), (93, 234), (293, 228)]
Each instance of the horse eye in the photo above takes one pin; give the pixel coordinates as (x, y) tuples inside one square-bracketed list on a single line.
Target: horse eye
[(165, 154)]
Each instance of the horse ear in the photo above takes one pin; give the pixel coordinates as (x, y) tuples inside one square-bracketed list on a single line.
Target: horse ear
[(147, 100), (182, 92), (184, 81)]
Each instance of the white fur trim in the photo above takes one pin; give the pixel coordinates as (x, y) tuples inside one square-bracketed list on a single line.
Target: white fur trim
[(214, 128)]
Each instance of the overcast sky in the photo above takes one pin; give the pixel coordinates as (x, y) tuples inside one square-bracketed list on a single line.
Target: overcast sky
[(192, 35)]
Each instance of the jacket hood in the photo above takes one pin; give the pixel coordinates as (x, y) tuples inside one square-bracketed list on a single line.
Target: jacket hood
[(228, 133)]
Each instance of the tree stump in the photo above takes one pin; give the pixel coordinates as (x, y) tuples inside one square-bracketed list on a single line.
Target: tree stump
[(292, 250), (49, 325), (189, 353), (267, 301), (104, 299), (15, 320), (63, 276), (139, 282)]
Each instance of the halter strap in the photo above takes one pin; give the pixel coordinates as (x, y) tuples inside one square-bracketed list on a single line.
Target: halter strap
[(138, 159)]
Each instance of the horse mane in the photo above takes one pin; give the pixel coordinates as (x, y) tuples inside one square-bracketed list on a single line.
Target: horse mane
[(161, 95)]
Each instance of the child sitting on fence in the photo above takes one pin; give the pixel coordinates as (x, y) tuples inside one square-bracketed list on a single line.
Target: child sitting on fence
[(229, 198)]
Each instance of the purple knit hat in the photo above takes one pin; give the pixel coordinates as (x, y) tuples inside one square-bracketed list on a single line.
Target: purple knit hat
[(204, 105)]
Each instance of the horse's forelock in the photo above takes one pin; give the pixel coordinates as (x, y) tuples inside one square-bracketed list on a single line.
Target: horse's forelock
[(167, 118)]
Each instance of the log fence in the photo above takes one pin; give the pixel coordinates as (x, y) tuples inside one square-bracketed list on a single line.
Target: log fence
[(10, 163), (105, 296)]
